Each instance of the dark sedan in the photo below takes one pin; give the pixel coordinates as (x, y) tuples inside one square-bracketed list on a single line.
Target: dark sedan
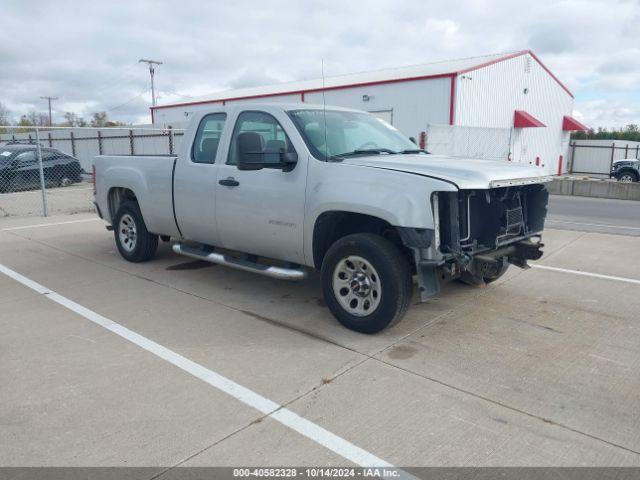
[(20, 168)]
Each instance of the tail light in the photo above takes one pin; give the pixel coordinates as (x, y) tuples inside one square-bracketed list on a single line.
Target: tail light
[(93, 178)]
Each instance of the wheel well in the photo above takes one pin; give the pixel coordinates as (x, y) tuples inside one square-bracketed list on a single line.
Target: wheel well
[(117, 196), (332, 226)]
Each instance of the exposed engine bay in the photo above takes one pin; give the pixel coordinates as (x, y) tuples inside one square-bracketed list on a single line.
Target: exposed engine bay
[(477, 233)]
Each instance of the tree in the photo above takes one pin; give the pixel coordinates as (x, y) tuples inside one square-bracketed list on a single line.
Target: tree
[(73, 120), (99, 119), (630, 133), (36, 118), (4, 115)]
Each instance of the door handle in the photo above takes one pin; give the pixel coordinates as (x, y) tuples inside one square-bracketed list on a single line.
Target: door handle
[(229, 182)]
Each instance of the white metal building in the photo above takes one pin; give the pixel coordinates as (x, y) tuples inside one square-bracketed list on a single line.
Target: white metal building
[(509, 98)]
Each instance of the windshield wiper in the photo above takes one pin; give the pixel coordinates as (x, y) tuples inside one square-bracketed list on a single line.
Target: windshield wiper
[(368, 151), (413, 150)]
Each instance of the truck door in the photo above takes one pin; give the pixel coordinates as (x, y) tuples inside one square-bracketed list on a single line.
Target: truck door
[(261, 212), (194, 181)]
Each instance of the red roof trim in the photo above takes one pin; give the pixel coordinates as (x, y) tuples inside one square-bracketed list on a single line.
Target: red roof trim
[(570, 124), (518, 54), (378, 82), (549, 72), (522, 119), (494, 61), (308, 90)]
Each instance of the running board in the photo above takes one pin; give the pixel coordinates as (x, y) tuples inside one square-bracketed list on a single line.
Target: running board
[(281, 273)]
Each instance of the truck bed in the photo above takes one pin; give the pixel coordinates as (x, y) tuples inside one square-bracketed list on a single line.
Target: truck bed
[(151, 177)]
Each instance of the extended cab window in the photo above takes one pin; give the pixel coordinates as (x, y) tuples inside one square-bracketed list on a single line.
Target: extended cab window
[(270, 134), (207, 140)]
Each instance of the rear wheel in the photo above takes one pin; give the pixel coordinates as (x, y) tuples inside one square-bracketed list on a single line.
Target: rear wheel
[(133, 240), (366, 282)]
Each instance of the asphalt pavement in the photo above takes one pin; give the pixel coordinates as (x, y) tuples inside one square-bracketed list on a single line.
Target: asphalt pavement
[(586, 214)]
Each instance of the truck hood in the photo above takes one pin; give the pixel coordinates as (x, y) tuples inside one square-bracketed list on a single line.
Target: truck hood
[(465, 173)]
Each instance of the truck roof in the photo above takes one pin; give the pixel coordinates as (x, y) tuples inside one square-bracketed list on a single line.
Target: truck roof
[(282, 106)]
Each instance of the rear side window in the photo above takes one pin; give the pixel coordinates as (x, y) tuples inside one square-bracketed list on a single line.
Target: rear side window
[(207, 140), (27, 157)]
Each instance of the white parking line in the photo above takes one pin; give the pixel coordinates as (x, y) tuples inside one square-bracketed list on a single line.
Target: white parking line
[(38, 225), (588, 274), (283, 415), (604, 225)]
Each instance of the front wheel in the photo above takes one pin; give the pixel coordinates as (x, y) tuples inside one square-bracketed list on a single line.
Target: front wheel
[(133, 240), (627, 177), (366, 282)]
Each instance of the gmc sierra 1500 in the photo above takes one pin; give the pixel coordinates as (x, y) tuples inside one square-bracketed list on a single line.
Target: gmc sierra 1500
[(277, 189)]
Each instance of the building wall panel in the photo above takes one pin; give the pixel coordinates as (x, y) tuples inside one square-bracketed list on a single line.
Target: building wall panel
[(489, 96), (413, 104)]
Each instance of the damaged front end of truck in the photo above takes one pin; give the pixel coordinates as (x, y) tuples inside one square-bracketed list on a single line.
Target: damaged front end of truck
[(478, 232)]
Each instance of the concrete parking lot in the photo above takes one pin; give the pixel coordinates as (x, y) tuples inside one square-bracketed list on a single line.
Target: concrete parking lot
[(108, 363)]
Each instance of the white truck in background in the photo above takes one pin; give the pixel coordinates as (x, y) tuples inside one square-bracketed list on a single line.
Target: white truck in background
[(280, 189)]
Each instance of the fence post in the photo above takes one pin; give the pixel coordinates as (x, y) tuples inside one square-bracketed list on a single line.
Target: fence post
[(170, 140), (626, 151), (50, 140), (572, 159), (131, 142), (42, 188), (637, 150), (613, 151), (99, 143), (73, 143)]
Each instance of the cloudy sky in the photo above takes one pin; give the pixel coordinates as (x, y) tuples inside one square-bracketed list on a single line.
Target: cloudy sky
[(86, 53)]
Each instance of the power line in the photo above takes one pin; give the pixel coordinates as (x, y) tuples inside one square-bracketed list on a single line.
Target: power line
[(125, 103), (115, 81)]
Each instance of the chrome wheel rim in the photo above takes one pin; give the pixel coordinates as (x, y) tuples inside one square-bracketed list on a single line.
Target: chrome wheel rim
[(127, 232), (626, 179), (65, 182), (357, 286)]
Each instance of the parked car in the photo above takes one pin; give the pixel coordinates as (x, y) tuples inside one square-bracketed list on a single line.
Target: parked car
[(20, 168), (298, 187), (626, 170)]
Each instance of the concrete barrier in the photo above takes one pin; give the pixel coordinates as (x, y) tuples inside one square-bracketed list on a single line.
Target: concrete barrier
[(594, 188)]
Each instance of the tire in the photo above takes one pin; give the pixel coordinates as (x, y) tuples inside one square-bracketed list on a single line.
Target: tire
[(627, 177), (474, 280), (378, 266), (503, 270), (64, 181), (133, 240)]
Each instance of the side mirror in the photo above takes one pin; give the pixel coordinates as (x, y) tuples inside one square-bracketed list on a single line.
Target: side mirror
[(413, 139), (288, 160), (250, 155)]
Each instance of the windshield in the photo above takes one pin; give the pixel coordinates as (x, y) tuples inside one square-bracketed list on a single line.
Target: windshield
[(348, 133)]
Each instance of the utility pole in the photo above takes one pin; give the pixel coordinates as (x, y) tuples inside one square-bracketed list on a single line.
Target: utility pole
[(152, 71), (49, 100)]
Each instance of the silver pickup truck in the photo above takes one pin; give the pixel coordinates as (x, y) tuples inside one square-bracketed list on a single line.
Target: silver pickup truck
[(280, 189)]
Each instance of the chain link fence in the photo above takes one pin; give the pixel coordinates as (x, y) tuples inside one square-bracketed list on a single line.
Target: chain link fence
[(469, 142), (47, 170)]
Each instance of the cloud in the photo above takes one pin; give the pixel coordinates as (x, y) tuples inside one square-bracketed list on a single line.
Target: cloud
[(86, 53)]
